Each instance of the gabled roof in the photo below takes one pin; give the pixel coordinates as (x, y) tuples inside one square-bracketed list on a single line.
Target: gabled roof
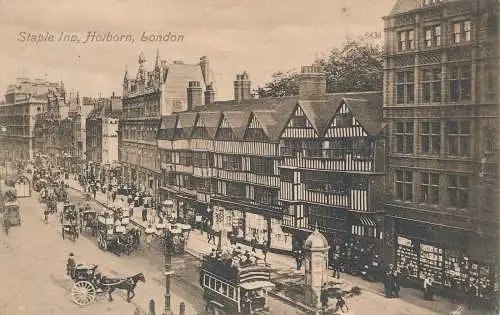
[(238, 121), (369, 114), (268, 122), (211, 121), (319, 112), (187, 120), (167, 127), (403, 6)]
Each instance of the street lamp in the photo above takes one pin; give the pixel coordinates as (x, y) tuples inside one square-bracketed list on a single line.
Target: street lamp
[(168, 270)]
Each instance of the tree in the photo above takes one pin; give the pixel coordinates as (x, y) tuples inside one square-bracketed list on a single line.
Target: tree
[(281, 84), (356, 67)]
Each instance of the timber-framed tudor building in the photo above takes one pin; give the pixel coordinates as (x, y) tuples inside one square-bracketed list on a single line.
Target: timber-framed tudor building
[(277, 167), (441, 105)]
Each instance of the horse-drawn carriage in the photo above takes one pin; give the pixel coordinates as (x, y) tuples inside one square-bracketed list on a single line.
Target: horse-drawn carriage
[(69, 221), (88, 220), (116, 236), (88, 283)]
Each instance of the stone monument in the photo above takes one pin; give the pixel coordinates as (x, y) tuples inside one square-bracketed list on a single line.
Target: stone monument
[(316, 267)]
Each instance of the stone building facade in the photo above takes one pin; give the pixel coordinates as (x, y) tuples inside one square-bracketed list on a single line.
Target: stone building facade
[(24, 100), (146, 98), (441, 105)]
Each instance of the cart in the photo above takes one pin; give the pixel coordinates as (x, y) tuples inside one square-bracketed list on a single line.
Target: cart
[(106, 236), (69, 221)]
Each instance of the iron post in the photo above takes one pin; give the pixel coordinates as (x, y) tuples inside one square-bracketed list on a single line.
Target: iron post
[(168, 271)]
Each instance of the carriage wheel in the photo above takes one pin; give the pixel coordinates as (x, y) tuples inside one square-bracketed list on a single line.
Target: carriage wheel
[(83, 293)]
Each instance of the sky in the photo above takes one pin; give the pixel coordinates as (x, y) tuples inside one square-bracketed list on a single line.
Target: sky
[(258, 36)]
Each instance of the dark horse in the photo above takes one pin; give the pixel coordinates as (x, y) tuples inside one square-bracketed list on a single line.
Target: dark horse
[(128, 284)]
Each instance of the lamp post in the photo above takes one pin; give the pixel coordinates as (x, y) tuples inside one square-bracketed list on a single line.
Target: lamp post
[(168, 270)]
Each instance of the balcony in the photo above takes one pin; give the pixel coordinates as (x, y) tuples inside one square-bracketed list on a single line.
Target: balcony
[(346, 163), (327, 198)]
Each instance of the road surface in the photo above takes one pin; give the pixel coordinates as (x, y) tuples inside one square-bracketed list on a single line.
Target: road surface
[(34, 282)]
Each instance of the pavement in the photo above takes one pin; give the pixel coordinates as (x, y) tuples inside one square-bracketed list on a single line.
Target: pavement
[(371, 301)]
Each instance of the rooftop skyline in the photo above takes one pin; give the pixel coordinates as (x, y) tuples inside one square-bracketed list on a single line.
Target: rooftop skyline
[(258, 36)]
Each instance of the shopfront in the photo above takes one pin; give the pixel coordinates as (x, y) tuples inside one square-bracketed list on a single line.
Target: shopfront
[(443, 254), (279, 238)]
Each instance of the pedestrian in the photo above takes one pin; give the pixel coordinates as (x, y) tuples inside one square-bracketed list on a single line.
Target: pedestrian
[(324, 297), (253, 243), (336, 265), (265, 248), (94, 191), (298, 259), (428, 294), (144, 214), (395, 283), (387, 284), (70, 265), (341, 304)]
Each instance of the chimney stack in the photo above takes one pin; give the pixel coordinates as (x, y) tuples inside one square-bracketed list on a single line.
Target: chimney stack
[(312, 82), (242, 86), (204, 65), (194, 95), (209, 94)]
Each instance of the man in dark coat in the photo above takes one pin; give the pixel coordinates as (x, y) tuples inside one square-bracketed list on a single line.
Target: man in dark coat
[(70, 265)]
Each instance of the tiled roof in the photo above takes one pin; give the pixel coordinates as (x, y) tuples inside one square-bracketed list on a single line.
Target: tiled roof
[(238, 121), (167, 126), (211, 121), (274, 113), (269, 123), (187, 120), (403, 6)]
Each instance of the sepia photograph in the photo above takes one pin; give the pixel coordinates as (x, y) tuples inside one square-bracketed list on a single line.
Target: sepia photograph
[(221, 157)]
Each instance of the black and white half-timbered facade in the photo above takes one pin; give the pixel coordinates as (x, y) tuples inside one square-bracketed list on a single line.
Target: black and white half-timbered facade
[(276, 167), (332, 169)]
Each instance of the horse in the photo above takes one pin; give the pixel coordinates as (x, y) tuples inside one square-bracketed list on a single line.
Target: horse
[(127, 284)]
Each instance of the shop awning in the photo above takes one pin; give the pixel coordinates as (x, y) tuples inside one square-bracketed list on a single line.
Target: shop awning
[(367, 221), (256, 285)]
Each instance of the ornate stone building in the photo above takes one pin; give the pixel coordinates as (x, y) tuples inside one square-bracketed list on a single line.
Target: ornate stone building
[(146, 98), (24, 100), (441, 104)]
